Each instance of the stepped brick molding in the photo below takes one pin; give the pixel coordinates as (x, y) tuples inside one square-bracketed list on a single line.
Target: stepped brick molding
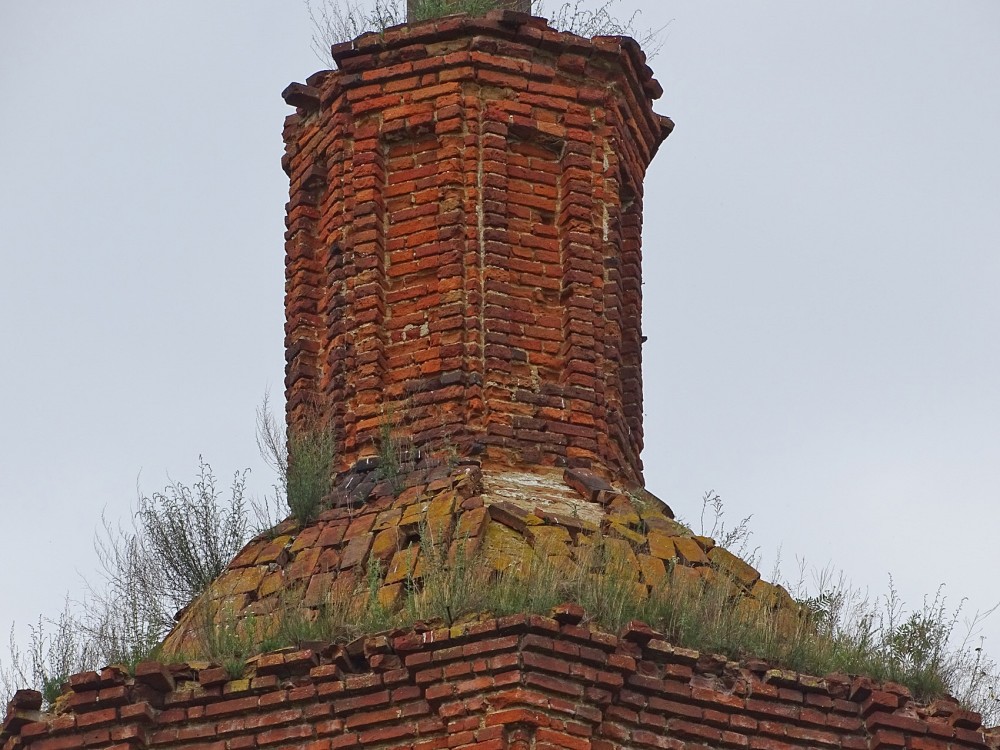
[(516, 683), (463, 242)]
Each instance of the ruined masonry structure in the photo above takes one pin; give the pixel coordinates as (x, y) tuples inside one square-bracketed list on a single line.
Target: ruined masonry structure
[(463, 254), (463, 243)]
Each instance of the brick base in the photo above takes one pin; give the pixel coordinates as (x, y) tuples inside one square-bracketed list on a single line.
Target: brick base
[(517, 682)]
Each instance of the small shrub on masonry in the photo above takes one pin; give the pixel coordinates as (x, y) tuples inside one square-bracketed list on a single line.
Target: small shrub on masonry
[(427, 9), (181, 540), (336, 21), (396, 455), (189, 534), (309, 472), (56, 649)]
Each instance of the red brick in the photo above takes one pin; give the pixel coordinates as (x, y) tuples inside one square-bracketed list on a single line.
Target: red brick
[(561, 739), (274, 736), (345, 741), (893, 721), (237, 705), (96, 718), (766, 743)]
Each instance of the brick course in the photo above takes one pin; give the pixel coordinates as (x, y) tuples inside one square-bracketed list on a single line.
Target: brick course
[(463, 241), (514, 682)]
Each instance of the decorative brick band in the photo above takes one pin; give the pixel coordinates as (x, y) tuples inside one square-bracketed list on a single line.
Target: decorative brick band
[(463, 244), (515, 682)]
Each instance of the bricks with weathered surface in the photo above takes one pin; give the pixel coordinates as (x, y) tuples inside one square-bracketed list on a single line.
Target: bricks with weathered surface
[(517, 679), (462, 250)]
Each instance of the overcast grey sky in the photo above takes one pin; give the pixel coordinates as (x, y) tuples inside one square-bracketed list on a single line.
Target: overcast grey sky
[(821, 273)]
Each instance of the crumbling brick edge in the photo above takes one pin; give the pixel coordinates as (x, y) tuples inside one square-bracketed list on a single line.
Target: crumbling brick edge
[(523, 680)]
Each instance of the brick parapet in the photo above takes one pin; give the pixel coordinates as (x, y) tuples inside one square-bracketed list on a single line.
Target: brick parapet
[(463, 250), (519, 681)]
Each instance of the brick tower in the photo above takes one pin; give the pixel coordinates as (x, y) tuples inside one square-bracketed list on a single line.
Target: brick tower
[(463, 244), (463, 254)]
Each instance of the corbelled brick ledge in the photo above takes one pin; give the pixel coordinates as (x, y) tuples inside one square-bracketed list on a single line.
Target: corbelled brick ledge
[(516, 682)]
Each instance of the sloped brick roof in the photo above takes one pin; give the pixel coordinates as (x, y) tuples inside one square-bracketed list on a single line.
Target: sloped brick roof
[(508, 516)]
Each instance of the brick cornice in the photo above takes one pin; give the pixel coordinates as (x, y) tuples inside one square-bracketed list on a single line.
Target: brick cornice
[(490, 683)]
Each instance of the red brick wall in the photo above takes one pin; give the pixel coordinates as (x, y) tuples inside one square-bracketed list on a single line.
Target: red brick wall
[(463, 252), (517, 682)]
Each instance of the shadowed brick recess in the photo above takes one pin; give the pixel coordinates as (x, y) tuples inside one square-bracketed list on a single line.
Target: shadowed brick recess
[(463, 244)]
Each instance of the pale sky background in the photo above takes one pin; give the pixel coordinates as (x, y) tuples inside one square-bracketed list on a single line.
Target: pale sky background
[(821, 274)]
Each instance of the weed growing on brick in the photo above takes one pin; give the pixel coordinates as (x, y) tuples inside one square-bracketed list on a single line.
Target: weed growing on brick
[(232, 642), (180, 541), (336, 21), (303, 462), (56, 649), (427, 9), (188, 535), (310, 472), (847, 633), (836, 629), (395, 454)]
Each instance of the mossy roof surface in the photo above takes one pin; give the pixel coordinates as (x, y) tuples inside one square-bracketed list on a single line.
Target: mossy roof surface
[(507, 517)]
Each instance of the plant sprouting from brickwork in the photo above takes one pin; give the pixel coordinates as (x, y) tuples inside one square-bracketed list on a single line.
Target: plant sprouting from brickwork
[(931, 645), (230, 641), (336, 21), (833, 628), (56, 649), (303, 461), (427, 9), (272, 444), (179, 541), (310, 472), (579, 18), (838, 629), (736, 538), (395, 453), (126, 611), (187, 535)]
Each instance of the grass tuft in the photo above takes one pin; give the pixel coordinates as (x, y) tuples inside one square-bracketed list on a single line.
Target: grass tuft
[(336, 21), (310, 472), (396, 455)]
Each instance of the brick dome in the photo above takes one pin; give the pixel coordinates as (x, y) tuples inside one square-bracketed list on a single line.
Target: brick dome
[(378, 537)]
